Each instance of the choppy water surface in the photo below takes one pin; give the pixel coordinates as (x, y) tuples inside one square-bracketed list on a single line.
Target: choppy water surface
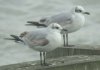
[(15, 13)]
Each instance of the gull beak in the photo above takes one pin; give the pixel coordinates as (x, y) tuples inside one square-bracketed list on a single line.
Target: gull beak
[(63, 31), (86, 13)]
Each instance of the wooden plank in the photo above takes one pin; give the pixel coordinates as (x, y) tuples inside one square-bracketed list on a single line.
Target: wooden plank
[(75, 50), (80, 57), (62, 63)]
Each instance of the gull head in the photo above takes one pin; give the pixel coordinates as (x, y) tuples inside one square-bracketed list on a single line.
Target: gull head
[(57, 27), (80, 9)]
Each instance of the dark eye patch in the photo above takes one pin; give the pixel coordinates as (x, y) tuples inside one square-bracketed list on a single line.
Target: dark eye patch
[(57, 27), (78, 10)]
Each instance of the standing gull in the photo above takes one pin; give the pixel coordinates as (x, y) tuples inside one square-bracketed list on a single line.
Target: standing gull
[(71, 21), (43, 39)]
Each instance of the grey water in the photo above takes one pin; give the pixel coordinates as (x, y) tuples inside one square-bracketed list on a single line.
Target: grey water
[(15, 13)]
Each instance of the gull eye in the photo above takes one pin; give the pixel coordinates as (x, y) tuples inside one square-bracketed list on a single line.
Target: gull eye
[(56, 27), (78, 10)]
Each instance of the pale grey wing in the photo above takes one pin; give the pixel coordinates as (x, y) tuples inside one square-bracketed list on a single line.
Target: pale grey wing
[(37, 34), (42, 20), (39, 42), (37, 37), (60, 18)]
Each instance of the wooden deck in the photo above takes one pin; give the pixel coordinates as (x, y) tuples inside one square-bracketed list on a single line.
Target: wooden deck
[(80, 57), (75, 50)]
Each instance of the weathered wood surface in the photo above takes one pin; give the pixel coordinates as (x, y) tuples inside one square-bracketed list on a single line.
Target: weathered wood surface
[(63, 63), (75, 50), (80, 57)]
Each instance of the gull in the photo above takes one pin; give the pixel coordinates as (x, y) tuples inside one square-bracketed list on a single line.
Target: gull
[(42, 39), (71, 21)]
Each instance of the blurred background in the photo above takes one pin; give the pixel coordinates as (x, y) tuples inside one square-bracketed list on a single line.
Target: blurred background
[(15, 13)]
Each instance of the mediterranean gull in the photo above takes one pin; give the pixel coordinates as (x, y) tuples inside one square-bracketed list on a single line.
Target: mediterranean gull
[(71, 21), (42, 39)]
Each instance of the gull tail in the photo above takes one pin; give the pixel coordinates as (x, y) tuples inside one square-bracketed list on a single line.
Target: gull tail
[(33, 23), (14, 38)]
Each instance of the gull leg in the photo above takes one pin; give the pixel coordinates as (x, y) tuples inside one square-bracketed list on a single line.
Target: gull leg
[(67, 40), (65, 37), (64, 40), (44, 55), (41, 58)]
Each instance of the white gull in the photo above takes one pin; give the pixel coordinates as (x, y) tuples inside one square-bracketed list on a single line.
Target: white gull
[(71, 21)]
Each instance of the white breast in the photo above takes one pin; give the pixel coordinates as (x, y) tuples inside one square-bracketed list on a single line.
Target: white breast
[(55, 40), (77, 23)]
